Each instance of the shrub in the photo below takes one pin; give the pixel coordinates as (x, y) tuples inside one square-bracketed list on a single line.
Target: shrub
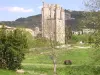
[(77, 38)]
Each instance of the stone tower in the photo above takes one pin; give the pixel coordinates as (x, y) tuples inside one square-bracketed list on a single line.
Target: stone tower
[(53, 22)]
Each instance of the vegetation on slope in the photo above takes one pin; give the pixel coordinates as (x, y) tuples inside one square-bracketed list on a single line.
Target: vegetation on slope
[(35, 21)]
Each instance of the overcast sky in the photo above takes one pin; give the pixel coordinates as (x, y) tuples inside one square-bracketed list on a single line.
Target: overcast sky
[(13, 9)]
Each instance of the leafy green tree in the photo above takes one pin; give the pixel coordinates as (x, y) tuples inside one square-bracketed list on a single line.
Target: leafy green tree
[(92, 18), (13, 44)]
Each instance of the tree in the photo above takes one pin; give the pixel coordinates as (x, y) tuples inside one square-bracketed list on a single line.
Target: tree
[(53, 44), (13, 44), (68, 33), (92, 18)]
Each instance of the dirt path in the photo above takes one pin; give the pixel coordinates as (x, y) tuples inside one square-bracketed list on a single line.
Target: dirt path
[(82, 47)]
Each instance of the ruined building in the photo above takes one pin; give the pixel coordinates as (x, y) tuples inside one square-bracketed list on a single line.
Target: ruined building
[(53, 22)]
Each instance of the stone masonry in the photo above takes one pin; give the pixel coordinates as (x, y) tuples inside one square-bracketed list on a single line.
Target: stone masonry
[(53, 22)]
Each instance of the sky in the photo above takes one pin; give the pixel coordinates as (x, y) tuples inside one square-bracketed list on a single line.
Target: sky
[(11, 10)]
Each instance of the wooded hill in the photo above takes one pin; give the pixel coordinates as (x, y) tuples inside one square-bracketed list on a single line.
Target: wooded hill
[(35, 21)]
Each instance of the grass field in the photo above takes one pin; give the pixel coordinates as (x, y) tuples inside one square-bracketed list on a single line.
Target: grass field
[(39, 62)]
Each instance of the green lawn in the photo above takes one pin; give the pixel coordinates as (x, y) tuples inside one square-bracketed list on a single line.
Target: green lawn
[(78, 56), (40, 62)]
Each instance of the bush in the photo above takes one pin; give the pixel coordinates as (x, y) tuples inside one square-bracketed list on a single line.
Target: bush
[(43, 42), (12, 48), (78, 38), (40, 42)]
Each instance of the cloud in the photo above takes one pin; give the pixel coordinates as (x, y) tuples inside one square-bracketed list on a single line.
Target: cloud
[(40, 7), (17, 9), (2, 8)]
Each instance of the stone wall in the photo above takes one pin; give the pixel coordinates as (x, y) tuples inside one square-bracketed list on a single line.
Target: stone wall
[(53, 22)]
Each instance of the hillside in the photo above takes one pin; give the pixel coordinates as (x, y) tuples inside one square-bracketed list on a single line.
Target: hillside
[(35, 21), (29, 22)]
